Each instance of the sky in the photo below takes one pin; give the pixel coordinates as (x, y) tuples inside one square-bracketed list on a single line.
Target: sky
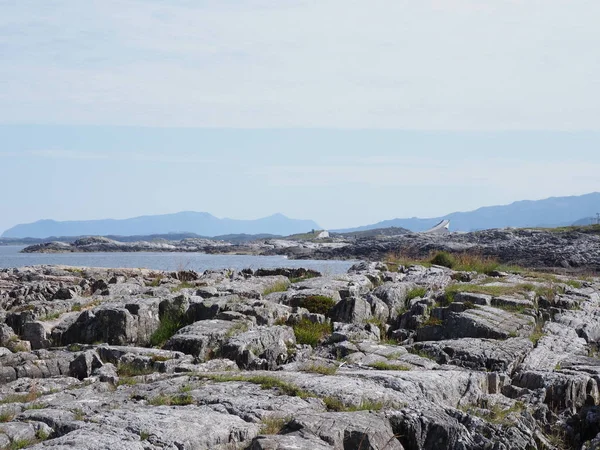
[(345, 112)]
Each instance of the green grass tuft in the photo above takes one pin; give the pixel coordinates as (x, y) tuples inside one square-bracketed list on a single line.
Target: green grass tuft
[(322, 369), (309, 333), (336, 405), (382, 365), (415, 293), (265, 382), (170, 323), (318, 304), (273, 425), (280, 286)]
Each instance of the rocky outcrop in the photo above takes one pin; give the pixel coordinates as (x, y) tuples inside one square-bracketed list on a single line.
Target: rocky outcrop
[(562, 248), (416, 358)]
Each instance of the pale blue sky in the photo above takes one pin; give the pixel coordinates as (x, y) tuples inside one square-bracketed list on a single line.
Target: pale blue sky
[(342, 98)]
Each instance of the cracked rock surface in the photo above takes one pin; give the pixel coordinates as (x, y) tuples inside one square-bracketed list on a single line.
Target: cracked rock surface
[(381, 359)]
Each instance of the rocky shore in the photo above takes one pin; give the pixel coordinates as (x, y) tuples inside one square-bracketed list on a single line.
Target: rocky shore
[(571, 248), (383, 357)]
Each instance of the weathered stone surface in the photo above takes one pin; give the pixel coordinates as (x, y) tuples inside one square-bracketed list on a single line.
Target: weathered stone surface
[(351, 310), (496, 371), (261, 348), (83, 366), (204, 338), (361, 430), (480, 322), (478, 354)]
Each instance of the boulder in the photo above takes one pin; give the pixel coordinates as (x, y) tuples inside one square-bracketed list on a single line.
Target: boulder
[(261, 348)]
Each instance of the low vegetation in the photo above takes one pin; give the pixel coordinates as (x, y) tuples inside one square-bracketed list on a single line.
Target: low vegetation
[(416, 293), (467, 262), (318, 304), (273, 425), (382, 365), (497, 414), (538, 333), (183, 285), (280, 286), (132, 370), (265, 382), (311, 333), (170, 323), (337, 405), (493, 290), (322, 369)]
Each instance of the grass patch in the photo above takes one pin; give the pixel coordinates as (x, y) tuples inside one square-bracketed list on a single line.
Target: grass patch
[(416, 293), (160, 400), (18, 444), (494, 291), (318, 304), (496, 414), (322, 369), (36, 406), (431, 322), (144, 435), (131, 370), (305, 277), (310, 333), (382, 365), (420, 353), (238, 328), (76, 307), (74, 348), (29, 397), (170, 323), (537, 333), (468, 262), (78, 415), (183, 285), (273, 425), (41, 435), (444, 259), (280, 286), (52, 316), (395, 260), (574, 284), (6, 416), (181, 400), (336, 405), (265, 382)]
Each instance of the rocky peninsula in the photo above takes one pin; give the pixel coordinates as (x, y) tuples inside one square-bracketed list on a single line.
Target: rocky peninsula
[(571, 248), (387, 356)]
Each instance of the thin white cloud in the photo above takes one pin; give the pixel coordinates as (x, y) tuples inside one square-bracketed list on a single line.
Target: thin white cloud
[(432, 64), (67, 154), (167, 157)]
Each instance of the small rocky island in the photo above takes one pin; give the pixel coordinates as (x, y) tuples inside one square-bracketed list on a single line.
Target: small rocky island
[(392, 355)]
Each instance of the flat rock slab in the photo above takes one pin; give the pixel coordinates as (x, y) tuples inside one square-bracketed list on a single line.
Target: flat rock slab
[(478, 354), (201, 339), (480, 322)]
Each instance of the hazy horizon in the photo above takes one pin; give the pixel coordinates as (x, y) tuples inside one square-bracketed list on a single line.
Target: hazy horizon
[(345, 113)]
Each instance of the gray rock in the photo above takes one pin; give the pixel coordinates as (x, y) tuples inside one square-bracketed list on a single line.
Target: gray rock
[(478, 354), (83, 366), (361, 430), (351, 310), (261, 348), (355, 332), (203, 339)]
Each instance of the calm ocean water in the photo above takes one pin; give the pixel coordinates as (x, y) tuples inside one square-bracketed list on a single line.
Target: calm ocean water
[(10, 257)]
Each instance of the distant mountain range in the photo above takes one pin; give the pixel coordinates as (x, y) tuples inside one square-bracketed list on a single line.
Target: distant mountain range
[(200, 223), (551, 212)]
